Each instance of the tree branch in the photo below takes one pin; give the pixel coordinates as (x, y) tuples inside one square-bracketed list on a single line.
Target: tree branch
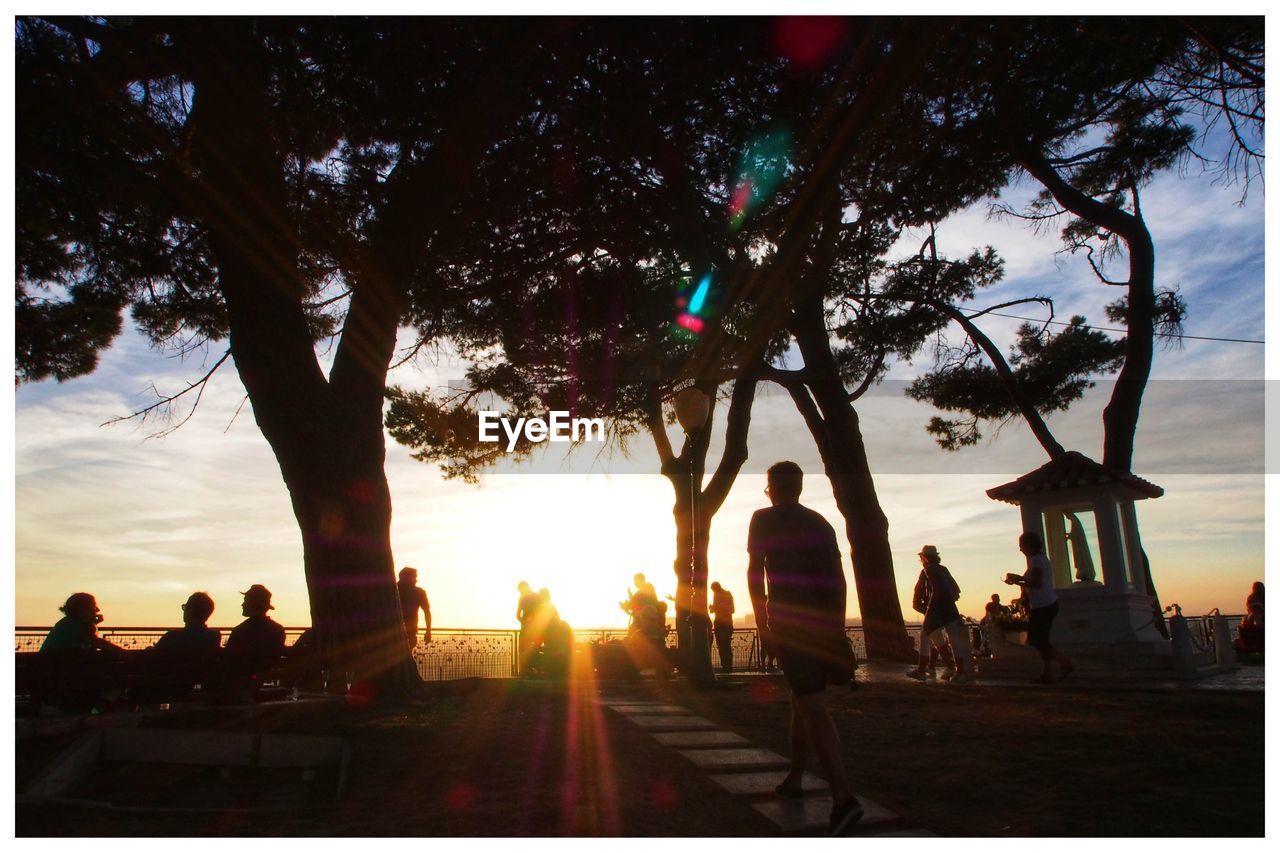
[(869, 379), (164, 402), (1038, 427), (735, 444)]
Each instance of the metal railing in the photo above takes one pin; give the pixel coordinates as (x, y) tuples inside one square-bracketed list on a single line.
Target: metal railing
[(455, 652), (481, 653)]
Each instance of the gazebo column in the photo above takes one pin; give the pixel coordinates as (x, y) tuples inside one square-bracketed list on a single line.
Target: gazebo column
[(1032, 521), (1129, 530), (1111, 547)]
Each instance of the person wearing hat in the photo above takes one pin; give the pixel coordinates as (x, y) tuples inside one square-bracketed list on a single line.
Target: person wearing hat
[(940, 591), (258, 637), (195, 638), (412, 599)]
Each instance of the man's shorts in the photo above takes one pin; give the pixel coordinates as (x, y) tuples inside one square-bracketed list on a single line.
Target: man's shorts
[(1040, 623), (812, 658)]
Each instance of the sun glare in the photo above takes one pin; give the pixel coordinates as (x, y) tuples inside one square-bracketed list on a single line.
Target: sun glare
[(583, 538)]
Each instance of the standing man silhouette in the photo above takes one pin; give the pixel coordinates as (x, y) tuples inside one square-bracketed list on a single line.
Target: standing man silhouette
[(722, 607), (526, 610), (794, 549), (412, 599)]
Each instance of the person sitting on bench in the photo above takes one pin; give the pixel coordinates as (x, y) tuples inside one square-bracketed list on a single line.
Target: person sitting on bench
[(78, 628), (259, 638), (195, 639)]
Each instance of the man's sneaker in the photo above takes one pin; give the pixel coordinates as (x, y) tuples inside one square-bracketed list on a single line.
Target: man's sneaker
[(843, 818), (788, 792), (917, 674), (960, 678)]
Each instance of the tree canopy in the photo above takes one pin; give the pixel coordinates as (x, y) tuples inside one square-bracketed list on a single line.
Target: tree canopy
[(589, 209)]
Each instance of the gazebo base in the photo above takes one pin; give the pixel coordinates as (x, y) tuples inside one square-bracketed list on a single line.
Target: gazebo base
[(1118, 661)]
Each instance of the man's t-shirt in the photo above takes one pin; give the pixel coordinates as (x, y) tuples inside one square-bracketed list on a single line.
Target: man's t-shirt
[(189, 640), (1044, 594), (722, 604), (256, 637), (806, 585)]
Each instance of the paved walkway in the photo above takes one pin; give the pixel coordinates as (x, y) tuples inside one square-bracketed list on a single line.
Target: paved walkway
[(1245, 678), (749, 772)]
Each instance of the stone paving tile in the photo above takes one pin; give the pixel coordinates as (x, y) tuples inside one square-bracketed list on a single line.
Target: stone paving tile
[(723, 759), (638, 708), (913, 832), (696, 739), (813, 813), (671, 722), (761, 784)]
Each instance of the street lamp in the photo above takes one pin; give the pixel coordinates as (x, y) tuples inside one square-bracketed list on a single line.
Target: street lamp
[(693, 406)]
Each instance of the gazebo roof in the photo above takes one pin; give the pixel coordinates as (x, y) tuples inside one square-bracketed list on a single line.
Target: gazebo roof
[(1069, 471)]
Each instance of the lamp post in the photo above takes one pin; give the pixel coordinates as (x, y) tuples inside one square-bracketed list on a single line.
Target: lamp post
[(693, 406)]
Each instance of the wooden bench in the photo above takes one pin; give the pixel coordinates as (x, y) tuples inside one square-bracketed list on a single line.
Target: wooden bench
[(77, 681)]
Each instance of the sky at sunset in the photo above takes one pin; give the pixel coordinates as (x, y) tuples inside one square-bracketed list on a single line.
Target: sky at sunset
[(142, 522)]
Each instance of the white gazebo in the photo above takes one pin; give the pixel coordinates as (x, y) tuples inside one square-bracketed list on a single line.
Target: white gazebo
[(1085, 516)]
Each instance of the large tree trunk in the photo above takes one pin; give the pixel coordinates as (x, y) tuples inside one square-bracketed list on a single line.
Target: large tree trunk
[(693, 511), (693, 535), (326, 434), (834, 425), (693, 525), (344, 512)]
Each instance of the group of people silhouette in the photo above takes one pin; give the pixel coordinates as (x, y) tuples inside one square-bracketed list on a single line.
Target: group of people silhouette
[(76, 658), (945, 637), (647, 616), (257, 638), (546, 640)]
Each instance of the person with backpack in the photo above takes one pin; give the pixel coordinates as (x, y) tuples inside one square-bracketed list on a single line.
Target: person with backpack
[(938, 591)]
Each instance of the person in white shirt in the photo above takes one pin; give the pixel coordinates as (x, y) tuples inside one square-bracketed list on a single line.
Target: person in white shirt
[(1037, 582)]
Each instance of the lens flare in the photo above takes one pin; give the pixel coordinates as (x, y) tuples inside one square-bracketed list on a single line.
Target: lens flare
[(692, 310), (761, 168), (808, 41), (662, 796), (461, 797), (699, 299), (690, 322)]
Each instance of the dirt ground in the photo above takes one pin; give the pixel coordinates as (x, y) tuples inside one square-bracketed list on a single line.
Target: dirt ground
[(531, 758)]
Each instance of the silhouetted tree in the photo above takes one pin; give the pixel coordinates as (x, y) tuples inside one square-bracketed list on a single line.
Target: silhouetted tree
[(1092, 169), (628, 173), (266, 183)]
